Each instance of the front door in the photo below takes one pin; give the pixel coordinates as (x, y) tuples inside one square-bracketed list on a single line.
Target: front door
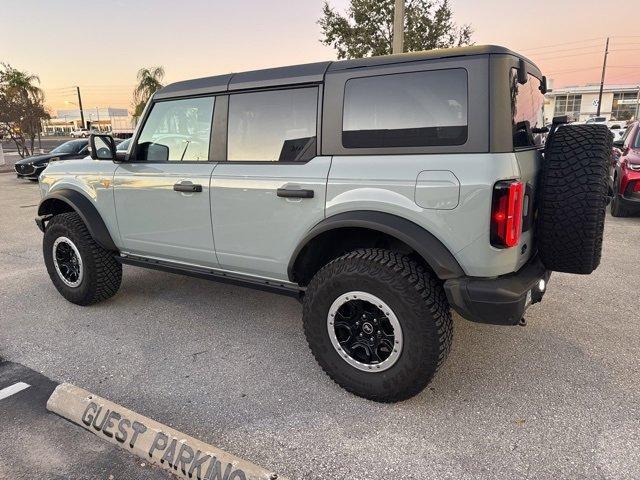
[(162, 192), (271, 190)]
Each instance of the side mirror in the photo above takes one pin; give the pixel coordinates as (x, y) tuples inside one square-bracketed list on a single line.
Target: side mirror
[(102, 147), (618, 144)]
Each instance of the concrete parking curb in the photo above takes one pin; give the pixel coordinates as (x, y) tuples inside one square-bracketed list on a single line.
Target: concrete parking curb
[(158, 444)]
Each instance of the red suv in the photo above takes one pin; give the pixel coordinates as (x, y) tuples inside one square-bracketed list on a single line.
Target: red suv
[(626, 180)]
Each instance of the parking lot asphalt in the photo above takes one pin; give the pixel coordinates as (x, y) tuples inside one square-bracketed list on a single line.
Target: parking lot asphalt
[(558, 398)]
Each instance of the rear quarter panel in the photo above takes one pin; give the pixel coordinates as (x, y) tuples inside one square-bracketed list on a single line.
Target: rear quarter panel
[(387, 183)]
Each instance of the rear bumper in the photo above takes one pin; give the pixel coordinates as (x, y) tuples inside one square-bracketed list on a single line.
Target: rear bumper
[(500, 300)]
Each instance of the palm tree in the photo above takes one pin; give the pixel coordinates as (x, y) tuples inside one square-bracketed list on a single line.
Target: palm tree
[(22, 107), (149, 81), (20, 83)]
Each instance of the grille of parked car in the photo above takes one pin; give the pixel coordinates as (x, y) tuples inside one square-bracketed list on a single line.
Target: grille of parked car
[(24, 169)]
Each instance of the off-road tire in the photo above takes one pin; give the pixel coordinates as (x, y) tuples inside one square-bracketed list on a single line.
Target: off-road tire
[(102, 274), (617, 210), (573, 198), (418, 300)]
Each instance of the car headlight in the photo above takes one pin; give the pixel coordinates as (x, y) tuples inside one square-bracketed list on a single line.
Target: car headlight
[(634, 166)]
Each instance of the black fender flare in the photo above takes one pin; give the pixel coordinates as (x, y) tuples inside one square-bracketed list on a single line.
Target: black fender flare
[(439, 258), (83, 207)]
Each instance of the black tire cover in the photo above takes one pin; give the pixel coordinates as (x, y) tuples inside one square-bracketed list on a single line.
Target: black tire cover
[(573, 198)]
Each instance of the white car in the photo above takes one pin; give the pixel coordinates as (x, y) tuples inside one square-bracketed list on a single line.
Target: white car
[(618, 131), (82, 133)]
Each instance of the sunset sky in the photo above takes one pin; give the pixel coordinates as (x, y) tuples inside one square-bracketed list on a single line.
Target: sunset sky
[(100, 45)]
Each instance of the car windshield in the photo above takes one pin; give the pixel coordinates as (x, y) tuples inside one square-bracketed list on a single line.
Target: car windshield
[(74, 146)]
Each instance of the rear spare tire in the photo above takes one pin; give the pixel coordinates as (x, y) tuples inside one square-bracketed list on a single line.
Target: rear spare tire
[(573, 198)]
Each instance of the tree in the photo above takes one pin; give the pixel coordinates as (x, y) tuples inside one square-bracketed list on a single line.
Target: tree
[(367, 28), (149, 81), (21, 108)]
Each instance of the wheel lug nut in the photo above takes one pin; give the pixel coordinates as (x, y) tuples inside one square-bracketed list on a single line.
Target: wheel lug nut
[(360, 333), (372, 339)]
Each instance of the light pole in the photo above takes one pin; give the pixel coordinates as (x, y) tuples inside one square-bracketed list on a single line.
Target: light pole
[(80, 107), (637, 103), (398, 27), (604, 69)]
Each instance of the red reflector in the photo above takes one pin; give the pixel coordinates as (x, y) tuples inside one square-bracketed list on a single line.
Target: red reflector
[(506, 214)]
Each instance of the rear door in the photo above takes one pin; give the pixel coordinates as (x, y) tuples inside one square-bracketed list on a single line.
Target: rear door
[(271, 190), (162, 191)]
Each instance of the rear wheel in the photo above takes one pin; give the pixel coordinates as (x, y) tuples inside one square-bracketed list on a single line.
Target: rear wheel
[(617, 209), (573, 198), (378, 324), (81, 270)]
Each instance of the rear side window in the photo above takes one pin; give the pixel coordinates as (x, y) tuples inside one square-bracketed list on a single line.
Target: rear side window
[(275, 125), (406, 110), (527, 110), (177, 130)]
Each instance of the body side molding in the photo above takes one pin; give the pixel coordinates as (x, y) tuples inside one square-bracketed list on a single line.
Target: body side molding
[(422, 241), (83, 207)]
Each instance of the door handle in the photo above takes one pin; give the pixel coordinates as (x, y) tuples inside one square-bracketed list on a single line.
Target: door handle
[(295, 193), (187, 187)]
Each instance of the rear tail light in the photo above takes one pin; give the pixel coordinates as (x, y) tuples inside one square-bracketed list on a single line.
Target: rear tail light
[(506, 214)]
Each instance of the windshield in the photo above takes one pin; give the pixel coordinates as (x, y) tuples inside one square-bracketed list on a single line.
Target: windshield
[(74, 146), (123, 146)]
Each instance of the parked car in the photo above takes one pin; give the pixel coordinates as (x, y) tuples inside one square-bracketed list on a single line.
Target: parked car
[(382, 192), (82, 133), (121, 148), (31, 167), (626, 181), (596, 120), (618, 131)]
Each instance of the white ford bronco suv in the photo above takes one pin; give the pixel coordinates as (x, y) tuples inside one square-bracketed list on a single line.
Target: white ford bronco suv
[(382, 192)]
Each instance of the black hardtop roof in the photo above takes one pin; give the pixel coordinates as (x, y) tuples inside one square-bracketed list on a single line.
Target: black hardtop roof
[(312, 72)]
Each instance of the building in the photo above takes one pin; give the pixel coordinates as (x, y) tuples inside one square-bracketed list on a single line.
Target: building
[(619, 102), (101, 119)]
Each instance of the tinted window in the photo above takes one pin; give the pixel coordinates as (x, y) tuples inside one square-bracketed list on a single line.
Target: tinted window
[(527, 110), (177, 130), (406, 110), (278, 125)]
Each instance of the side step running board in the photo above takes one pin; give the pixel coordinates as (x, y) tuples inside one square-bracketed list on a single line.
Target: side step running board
[(214, 275)]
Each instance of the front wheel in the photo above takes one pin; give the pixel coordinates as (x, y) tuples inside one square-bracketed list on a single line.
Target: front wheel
[(617, 210), (81, 270), (378, 324)]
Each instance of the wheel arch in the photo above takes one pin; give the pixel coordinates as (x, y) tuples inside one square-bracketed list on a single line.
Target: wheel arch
[(309, 254), (68, 200)]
